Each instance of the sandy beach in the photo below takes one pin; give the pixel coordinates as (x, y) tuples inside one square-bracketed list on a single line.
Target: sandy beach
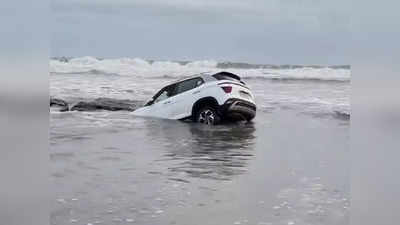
[(285, 168)]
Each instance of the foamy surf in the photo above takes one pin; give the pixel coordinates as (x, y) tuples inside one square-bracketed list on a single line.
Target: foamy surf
[(147, 68)]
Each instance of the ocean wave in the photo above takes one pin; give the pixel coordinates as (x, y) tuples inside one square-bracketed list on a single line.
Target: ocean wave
[(307, 73), (126, 66), (316, 79), (239, 65), (178, 69)]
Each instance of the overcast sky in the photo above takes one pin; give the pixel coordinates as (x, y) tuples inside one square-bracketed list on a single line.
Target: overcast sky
[(255, 31)]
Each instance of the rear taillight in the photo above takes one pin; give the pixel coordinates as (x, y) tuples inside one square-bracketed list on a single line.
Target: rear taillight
[(227, 89)]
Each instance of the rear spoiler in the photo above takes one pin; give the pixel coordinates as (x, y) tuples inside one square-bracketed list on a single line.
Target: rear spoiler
[(234, 76), (241, 84)]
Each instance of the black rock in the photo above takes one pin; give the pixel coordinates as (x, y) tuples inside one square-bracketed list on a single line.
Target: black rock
[(59, 103), (342, 115), (106, 104)]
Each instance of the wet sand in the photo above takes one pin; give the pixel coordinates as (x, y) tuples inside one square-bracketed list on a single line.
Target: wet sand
[(284, 168)]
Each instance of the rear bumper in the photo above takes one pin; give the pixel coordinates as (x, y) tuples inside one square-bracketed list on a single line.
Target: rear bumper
[(237, 109)]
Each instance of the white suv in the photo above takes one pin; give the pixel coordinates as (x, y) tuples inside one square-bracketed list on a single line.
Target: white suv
[(203, 98)]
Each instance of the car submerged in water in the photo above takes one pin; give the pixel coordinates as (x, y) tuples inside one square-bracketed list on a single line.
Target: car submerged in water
[(204, 98)]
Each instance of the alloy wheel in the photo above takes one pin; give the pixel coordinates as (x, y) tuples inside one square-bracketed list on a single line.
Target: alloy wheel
[(207, 116)]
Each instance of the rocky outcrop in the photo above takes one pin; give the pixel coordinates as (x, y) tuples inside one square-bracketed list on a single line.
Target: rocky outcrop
[(342, 115), (60, 104), (106, 104)]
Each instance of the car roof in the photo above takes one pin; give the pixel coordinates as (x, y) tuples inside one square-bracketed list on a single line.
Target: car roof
[(206, 76)]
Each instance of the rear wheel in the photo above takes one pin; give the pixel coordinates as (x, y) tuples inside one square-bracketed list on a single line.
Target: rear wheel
[(208, 115)]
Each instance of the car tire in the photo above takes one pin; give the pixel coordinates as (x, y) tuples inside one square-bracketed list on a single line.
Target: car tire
[(207, 115)]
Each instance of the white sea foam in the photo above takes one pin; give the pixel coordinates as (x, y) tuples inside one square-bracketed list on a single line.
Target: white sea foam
[(130, 67), (308, 73), (143, 68)]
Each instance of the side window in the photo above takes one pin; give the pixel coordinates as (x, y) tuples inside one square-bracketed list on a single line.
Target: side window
[(188, 85), (164, 93), (162, 96)]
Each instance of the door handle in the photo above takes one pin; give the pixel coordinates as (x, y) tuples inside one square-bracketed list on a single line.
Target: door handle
[(167, 102), (196, 92)]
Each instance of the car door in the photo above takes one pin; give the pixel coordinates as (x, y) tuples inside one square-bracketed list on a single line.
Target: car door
[(186, 93)]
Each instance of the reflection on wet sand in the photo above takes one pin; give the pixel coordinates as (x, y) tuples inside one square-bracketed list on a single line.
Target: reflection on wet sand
[(285, 168), (200, 151)]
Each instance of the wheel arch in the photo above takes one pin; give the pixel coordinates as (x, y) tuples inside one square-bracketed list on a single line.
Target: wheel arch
[(210, 101)]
